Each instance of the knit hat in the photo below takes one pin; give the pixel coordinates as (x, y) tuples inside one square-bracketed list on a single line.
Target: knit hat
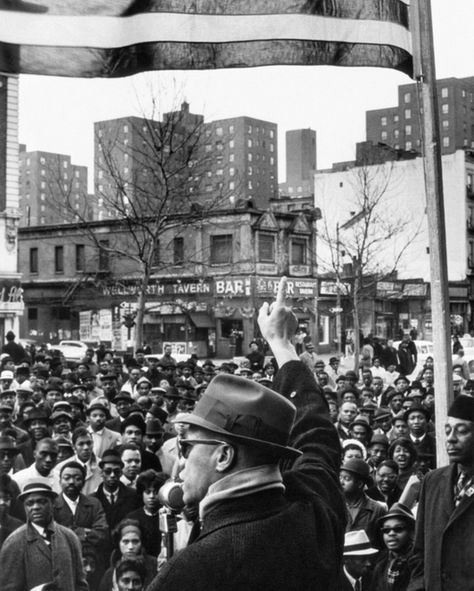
[(462, 408)]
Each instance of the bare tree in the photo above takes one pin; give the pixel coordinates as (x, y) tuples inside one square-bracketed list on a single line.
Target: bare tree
[(152, 183), (375, 238)]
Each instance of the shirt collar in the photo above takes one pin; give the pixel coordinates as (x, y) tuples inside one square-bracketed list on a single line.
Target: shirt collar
[(351, 579), (71, 504)]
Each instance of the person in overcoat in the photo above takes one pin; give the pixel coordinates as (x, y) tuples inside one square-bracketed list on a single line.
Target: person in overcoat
[(83, 514), (265, 525), (41, 551), (443, 557)]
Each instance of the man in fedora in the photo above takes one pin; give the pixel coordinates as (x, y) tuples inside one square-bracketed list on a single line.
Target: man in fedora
[(443, 553), (263, 468), (359, 558), (392, 571), (117, 499), (362, 511), (41, 551)]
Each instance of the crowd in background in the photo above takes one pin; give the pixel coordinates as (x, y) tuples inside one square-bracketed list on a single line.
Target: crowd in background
[(104, 435)]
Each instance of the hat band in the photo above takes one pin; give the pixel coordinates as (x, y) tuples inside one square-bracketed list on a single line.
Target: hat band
[(357, 547), (219, 414)]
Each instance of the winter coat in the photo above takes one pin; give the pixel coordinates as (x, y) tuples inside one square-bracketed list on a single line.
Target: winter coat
[(89, 514), (275, 540), (26, 561), (444, 538)]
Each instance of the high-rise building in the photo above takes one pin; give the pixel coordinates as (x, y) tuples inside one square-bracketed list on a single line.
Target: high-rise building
[(141, 162), (243, 163), (400, 126), (52, 189), (300, 163), (217, 164)]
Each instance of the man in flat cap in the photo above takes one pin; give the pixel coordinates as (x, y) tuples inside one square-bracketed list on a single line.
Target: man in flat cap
[(41, 551), (444, 537), (263, 468)]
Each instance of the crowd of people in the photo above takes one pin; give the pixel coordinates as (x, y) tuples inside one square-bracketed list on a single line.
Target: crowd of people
[(87, 449)]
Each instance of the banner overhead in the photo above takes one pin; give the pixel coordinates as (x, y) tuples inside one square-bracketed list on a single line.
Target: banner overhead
[(114, 38)]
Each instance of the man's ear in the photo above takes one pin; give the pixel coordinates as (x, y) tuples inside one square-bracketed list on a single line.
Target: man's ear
[(227, 456)]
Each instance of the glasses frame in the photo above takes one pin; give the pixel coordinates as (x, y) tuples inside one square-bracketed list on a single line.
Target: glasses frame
[(395, 528), (185, 445)]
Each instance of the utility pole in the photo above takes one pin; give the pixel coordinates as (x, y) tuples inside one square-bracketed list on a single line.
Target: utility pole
[(425, 75), (338, 293)]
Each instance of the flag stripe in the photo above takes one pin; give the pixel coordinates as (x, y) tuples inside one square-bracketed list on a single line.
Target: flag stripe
[(111, 38), (110, 32), (391, 10), (86, 63)]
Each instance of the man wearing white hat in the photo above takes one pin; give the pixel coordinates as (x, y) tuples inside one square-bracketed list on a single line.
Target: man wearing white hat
[(358, 560)]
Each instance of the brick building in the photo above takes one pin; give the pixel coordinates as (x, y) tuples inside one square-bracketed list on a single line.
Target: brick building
[(300, 163), (210, 279), (52, 189), (220, 162), (400, 126)]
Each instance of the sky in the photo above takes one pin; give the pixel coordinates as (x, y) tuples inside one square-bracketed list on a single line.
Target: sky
[(57, 114)]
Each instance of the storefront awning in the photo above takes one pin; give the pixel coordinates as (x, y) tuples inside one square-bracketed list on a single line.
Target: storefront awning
[(201, 320)]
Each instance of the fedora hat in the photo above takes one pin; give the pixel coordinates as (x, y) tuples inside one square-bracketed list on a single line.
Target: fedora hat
[(98, 406), (154, 427), (136, 419), (246, 411), (111, 456), (37, 414), (356, 543), (37, 487), (417, 408), (8, 443), (400, 511), (123, 395), (358, 467)]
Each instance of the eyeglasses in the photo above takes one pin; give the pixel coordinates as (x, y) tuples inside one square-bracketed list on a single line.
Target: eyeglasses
[(185, 445), (396, 529), (114, 471)]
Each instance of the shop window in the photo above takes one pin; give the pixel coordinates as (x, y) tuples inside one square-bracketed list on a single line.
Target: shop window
[(221, 249), (32, 313), (178, 250), (231, 329), (59, 259), (298, 251), (33, 260), (266, 248)]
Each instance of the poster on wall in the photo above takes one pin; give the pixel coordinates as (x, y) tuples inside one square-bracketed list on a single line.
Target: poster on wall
[(85, 325), (105, 325)]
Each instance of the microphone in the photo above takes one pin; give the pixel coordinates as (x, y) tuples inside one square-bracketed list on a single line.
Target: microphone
[(170, 496)]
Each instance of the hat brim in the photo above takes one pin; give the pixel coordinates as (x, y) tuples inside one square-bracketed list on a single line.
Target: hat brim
[(39, 490), (366, 552), (14, 450), (284, 451)]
